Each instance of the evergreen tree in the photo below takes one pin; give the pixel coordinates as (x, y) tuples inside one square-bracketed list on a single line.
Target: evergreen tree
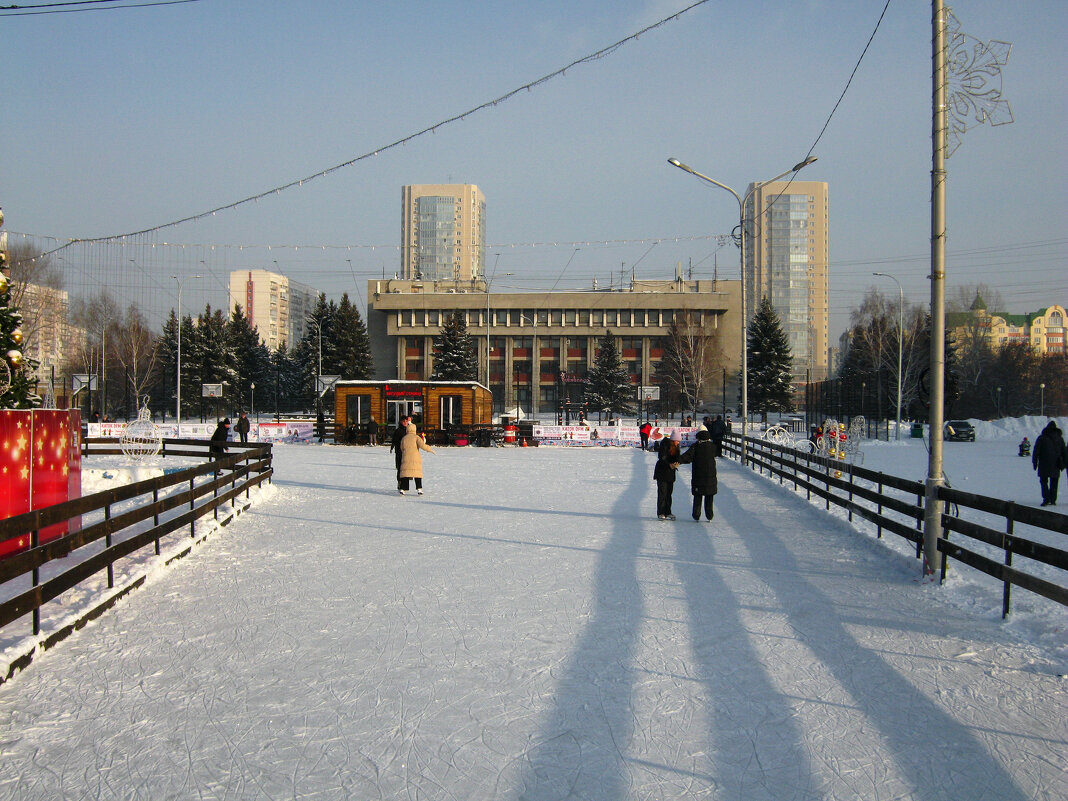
[(455, 352), (281, 386), (166, 376), (16, 388), (352, 344), (208, 360), (770, 389), (608, 386), (251, 359)]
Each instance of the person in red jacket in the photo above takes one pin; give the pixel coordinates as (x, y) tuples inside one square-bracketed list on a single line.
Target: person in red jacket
[(643, 432)]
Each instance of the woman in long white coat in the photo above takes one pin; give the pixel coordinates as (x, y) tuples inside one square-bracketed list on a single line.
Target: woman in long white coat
[(411, 461)]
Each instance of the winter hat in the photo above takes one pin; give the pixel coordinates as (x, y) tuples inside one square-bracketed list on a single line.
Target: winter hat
[(702, 428), (226, 421), (675, 436)]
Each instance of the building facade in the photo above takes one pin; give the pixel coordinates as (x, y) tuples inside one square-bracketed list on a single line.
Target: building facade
[(788, 261), (1042, 330), (535, 348), (443, 232), (275, 305), (50, 338)]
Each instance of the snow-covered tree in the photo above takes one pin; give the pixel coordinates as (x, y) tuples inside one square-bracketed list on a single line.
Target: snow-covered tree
[(770, 389), (608, 386), (455, 352)]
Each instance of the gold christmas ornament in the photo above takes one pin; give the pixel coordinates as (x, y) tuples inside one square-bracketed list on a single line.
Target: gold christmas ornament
[(16, 336), (15, 357), (3, 283)]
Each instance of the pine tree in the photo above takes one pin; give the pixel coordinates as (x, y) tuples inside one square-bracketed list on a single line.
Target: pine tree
[(455, 353), (352, 345), (251, 359), (608, 385), (16, 388), (769, 359)]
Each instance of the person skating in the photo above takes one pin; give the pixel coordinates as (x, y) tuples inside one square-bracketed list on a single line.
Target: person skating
[(395, 441), (411, 462), (218, 446), (643, 434), (372, 431), (243, 427), (704, 484), (718, 430), (1049, 458), (667, 462)]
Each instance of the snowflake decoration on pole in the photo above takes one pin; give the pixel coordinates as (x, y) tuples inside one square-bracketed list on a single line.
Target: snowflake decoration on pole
[(973, 89)]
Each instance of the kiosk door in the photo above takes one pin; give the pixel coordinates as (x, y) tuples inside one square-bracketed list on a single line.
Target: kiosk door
[(396, 409)]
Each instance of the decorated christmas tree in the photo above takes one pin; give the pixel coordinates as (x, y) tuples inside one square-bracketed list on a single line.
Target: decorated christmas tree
[(16, 386)]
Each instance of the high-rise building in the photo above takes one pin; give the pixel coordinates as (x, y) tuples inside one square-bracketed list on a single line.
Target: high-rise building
[(443, 232), (274, 304), (788, 261)]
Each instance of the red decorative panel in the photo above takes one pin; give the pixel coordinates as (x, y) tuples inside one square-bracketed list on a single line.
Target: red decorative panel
[(15, 430)]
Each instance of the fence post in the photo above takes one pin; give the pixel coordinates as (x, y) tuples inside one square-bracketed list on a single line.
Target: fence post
[(879, 525), (851, 493), (1010, 516), (919, 525), (155, 515), (107, 543), (35, 540), (192, 522)]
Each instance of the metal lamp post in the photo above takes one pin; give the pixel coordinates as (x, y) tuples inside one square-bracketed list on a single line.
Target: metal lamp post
[(252, 401), (178, 386), (534, 369), (900, 339), (742, 234), (1042, 400), (489, 284)]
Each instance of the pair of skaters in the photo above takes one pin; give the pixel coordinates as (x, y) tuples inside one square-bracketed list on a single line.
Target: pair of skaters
[(702, 456)]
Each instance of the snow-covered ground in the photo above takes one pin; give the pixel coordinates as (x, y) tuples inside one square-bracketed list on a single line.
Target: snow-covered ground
[(528, 630)]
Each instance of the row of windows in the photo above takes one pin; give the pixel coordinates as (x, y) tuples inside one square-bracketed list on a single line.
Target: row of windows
[(598, 318)]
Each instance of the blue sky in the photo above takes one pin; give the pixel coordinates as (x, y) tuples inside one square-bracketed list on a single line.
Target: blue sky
[(119, 121)]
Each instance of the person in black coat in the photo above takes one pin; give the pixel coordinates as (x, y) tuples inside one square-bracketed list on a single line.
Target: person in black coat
[(218, 446), (702, 455), (1049, 458), (667, 462), (394, 444), (243, 427), (718, 430)]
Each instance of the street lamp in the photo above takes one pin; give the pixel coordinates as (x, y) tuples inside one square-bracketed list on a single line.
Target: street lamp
[(999, 403), (535, 370), (741, 247), (900, 338), (1042, 400), (489, 283), (178, 386), (252, 402)]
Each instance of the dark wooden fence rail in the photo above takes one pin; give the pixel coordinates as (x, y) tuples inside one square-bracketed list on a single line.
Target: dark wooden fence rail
[(171, 502), (837, 482)]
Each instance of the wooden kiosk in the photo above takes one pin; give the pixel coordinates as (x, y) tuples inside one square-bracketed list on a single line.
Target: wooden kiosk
[(441, 409)]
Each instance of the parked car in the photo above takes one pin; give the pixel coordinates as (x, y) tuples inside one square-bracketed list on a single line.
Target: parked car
[(958, 431)]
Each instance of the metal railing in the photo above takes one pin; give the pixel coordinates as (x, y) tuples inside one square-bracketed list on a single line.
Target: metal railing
[(107, 526), (863, 493)]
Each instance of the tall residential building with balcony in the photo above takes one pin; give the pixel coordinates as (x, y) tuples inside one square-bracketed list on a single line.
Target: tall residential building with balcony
[(274, 304), (788, 261), (443, 232)]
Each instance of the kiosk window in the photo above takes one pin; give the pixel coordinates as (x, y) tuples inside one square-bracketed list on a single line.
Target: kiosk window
[(451, 410), (358, 409)]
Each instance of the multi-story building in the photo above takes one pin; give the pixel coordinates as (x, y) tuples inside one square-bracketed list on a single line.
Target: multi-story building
[(534, 346), (50, 338), (788, 261), (443, 232), (1043, 330), (274, 304)]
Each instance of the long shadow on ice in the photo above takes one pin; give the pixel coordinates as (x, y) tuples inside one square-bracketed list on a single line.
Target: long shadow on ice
[(930, 748), (756, 743), (580, 744)]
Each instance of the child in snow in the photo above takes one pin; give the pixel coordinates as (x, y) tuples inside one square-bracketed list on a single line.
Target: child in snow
[(667, 462)]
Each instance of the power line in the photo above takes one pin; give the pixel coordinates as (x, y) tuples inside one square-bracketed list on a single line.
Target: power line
[(16, 11), (603, 52)]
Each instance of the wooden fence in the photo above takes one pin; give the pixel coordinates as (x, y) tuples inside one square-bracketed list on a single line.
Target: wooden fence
[(863, 493), (149, 510)]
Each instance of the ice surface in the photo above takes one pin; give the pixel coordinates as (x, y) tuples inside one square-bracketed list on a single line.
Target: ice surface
[(528, 630)]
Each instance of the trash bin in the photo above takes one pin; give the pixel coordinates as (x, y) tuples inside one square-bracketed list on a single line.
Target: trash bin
[(510, 434), (917, 430), (485, 438)]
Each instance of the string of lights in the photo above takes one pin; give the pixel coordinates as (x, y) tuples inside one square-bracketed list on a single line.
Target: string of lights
[(50, 8), (298, 183)]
